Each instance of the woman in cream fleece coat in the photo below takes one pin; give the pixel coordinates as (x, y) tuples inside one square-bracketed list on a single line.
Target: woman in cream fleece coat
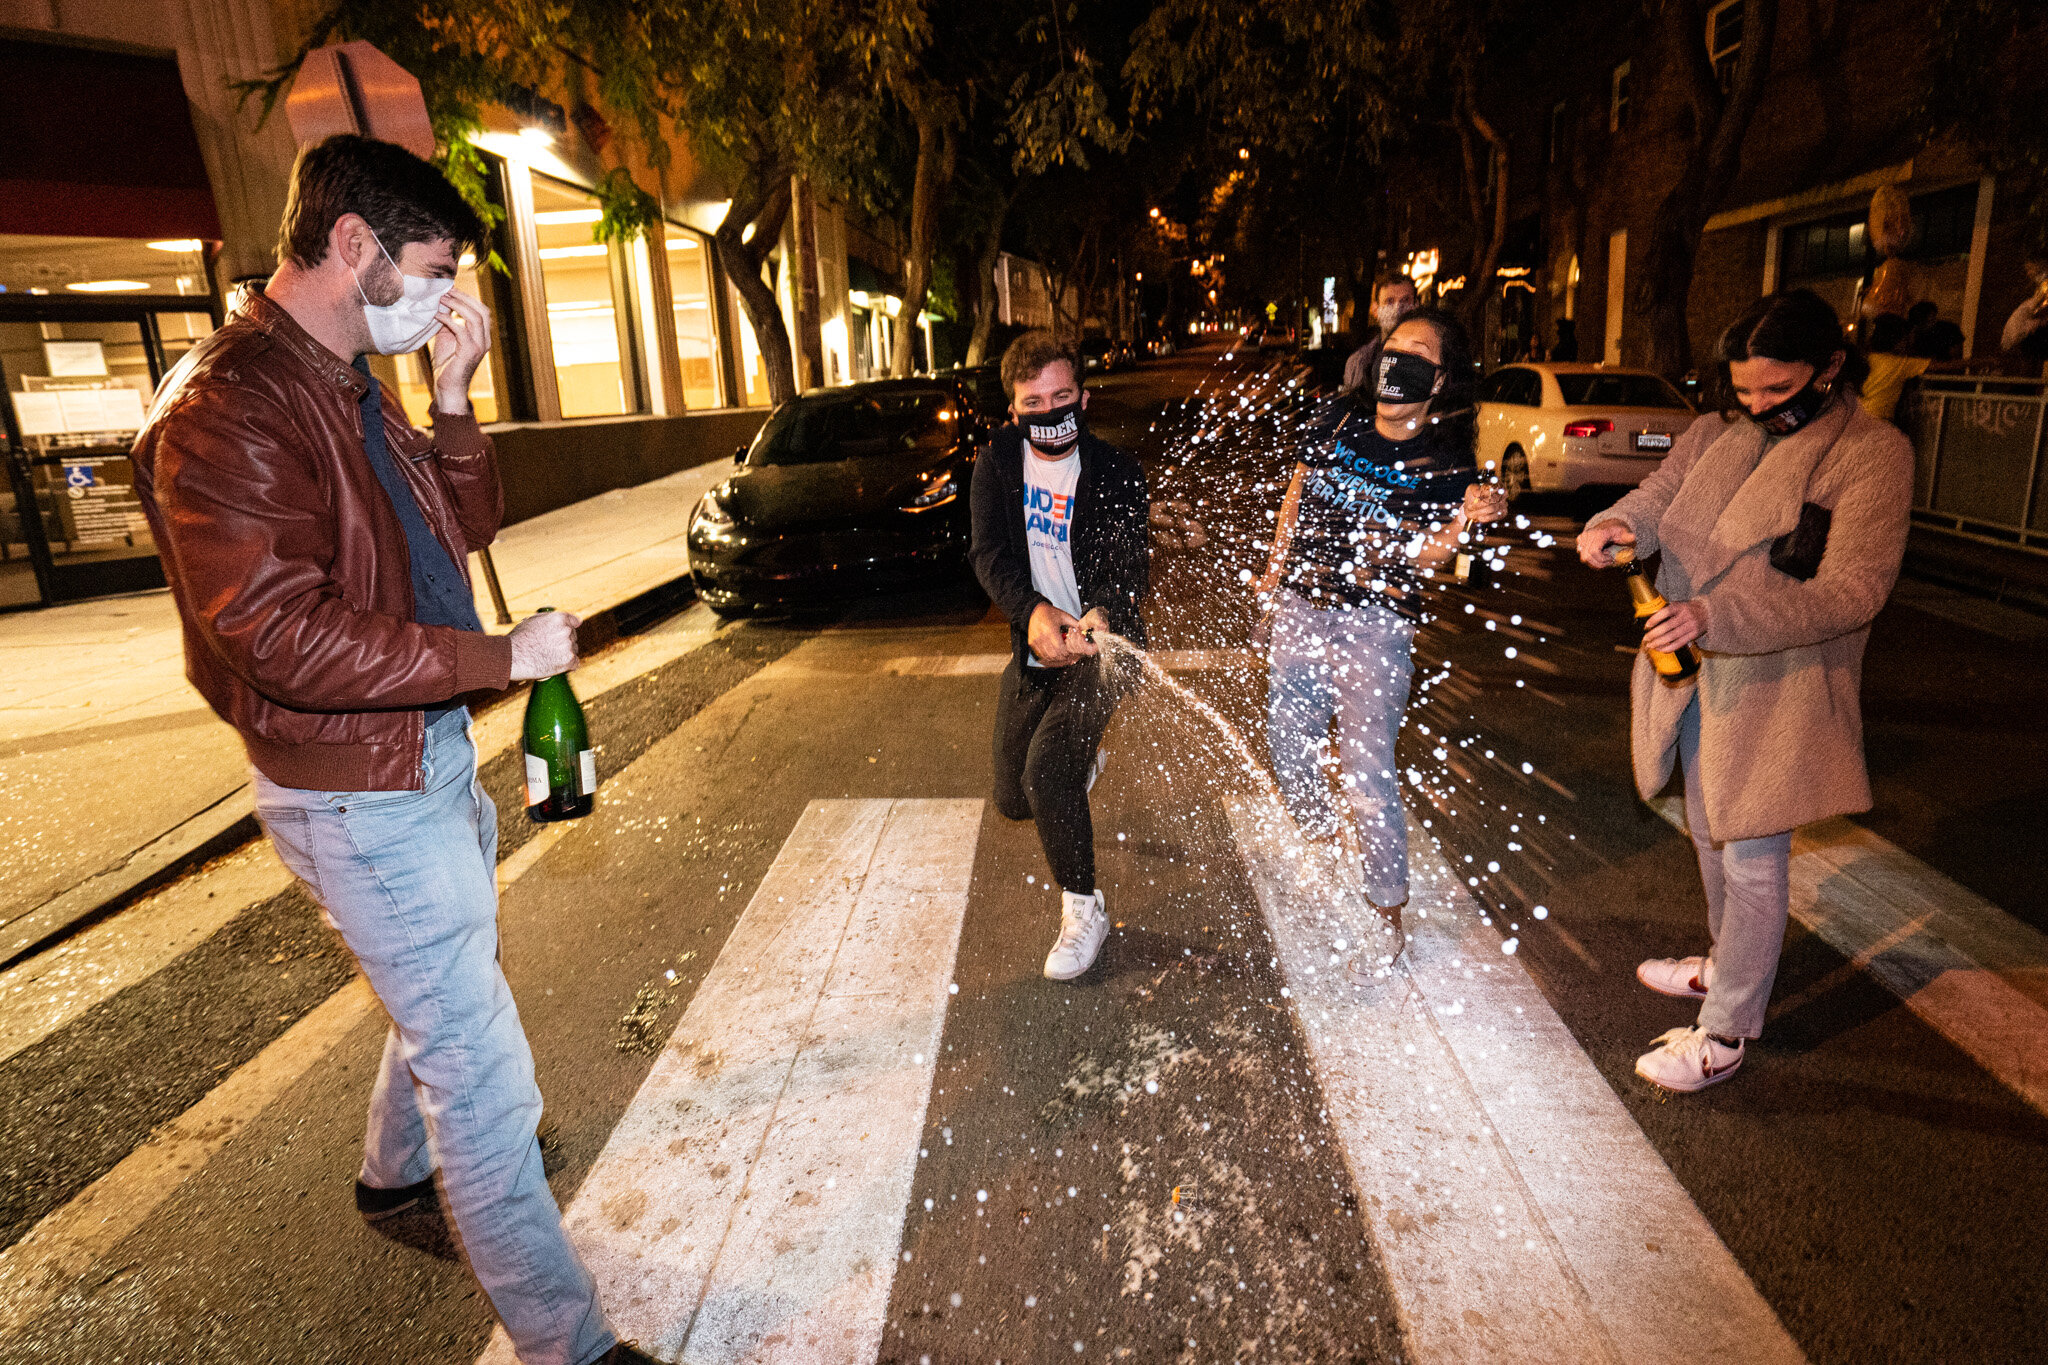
[(1769, 732)]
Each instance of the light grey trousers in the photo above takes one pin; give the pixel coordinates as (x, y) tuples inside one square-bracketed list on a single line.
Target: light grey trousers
[(1748, 896)]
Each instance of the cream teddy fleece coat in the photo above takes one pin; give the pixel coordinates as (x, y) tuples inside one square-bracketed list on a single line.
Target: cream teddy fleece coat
[(1781, 669)]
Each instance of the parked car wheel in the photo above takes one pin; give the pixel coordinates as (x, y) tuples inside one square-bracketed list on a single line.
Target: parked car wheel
[(1514, 473)]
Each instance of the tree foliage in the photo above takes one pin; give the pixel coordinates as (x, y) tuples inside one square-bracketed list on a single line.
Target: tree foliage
[(1988, 86)]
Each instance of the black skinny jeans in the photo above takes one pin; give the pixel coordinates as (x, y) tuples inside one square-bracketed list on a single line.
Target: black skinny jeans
[(1049, 723)]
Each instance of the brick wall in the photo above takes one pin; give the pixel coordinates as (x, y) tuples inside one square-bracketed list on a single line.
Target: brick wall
[(1845, 76), (1727, 278)]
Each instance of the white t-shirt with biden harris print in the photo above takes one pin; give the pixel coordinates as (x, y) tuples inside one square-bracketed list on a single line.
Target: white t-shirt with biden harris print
[(1048, 526)]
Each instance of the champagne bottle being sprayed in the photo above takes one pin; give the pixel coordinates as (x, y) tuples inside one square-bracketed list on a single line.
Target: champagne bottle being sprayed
[(1678, 665), (561, 767)]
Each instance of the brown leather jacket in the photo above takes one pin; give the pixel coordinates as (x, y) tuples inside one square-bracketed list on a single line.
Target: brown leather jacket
[(288, 564)]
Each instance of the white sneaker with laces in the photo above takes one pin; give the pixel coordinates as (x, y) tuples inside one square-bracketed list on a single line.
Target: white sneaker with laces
[(1084, 924), (1689, 1059), (1687, 977)]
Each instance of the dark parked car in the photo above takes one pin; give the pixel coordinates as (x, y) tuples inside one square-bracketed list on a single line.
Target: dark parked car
[(844, 491), (1100, 354), (984, 385)]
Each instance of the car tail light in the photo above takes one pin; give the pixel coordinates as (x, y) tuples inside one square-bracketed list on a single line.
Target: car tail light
[(1592, 426)]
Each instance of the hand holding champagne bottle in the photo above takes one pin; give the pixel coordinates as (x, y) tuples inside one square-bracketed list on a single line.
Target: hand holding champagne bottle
[(1674, 665), (561, 767)]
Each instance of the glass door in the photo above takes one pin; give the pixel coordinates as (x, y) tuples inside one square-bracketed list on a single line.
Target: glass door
[(78, 382)]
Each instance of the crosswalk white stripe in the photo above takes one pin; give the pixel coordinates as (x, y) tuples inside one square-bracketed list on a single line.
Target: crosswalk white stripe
[(749, 1204), (1519, 1211), (1934, 943)]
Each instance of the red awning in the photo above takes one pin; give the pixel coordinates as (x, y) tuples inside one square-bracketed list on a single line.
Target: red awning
[(99, 143)]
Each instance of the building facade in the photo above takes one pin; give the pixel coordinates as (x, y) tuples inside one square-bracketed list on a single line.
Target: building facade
[(140, 195), (1597, 129)]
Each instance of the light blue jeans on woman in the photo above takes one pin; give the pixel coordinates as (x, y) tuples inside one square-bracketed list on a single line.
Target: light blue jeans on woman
[(1749, 895), (1354, 667), (409, 880)]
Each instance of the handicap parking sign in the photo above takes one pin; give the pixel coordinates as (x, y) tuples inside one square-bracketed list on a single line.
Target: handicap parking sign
[(80, 475)]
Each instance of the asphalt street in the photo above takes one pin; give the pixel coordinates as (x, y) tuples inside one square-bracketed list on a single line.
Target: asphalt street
[(1147, 1163)]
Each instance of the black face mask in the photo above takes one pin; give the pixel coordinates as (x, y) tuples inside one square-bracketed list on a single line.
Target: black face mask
[(1054, 431), (1796, 411), (1405, 378)]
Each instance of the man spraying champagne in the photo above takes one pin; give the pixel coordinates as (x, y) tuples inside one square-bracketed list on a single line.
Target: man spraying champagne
[(1060, 547)]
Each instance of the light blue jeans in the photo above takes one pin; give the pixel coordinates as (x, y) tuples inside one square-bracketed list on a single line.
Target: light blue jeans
[(409, 880), (1749, 895), (1354, 667)]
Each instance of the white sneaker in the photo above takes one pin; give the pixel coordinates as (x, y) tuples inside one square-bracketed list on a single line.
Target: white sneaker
[(1384, 940), (1084, 924), (1687, 977), (1688, 1059)]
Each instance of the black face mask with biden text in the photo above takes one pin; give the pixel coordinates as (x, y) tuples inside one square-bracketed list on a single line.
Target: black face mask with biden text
[(1054, 431)]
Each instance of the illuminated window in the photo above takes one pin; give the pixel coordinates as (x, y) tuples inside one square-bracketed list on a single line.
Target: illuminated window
[(689, 278), (1724, 40), (416, 374), (590, 315)]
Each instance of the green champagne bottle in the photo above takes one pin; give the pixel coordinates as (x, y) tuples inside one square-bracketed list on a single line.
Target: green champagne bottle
[(561, 767)]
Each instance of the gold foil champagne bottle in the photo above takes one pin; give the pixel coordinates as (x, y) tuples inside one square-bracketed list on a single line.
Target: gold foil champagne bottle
[(1673, 667)]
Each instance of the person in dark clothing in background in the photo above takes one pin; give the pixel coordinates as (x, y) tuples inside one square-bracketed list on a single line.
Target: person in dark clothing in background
[(1060, 548), (1393, 298), (1567, 348)]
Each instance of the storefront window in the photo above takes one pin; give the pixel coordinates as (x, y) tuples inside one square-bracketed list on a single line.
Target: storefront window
[(416, 371), (101, 267), (689, 275), (589, 311), (76, 392)]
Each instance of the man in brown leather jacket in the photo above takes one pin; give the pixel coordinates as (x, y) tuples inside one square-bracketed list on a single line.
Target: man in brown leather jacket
[(317, 546)]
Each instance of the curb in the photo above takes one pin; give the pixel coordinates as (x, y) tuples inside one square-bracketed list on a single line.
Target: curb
[(231, 821), (227, 824)]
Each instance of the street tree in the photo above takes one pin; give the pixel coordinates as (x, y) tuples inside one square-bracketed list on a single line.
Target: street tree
[(1988, 86), (1710, 151), (767, 92), (1282, 109), (1029, 95)]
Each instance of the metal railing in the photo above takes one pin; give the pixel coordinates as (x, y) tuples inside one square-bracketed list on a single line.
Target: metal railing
[(1977, 450)]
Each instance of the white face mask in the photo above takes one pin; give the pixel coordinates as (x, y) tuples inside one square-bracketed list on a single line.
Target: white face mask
[(406, 325)]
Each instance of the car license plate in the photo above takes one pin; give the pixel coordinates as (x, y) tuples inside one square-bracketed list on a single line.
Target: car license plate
[(1653, 442)]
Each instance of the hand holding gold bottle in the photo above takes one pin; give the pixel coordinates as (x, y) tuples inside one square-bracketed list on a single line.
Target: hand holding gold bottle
[(1673, 667)]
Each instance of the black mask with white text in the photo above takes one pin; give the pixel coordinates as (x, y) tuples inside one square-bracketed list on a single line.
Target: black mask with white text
[(1405, 378), (1055, 430), (1795, 412)]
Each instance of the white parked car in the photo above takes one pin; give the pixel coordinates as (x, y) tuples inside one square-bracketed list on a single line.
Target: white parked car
[(1556, 427)]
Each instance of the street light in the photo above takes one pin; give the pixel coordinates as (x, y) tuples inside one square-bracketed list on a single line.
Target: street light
[(1244, 154), (1155, 213)]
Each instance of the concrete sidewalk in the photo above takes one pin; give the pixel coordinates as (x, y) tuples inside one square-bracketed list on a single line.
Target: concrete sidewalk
[(113, 771)]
